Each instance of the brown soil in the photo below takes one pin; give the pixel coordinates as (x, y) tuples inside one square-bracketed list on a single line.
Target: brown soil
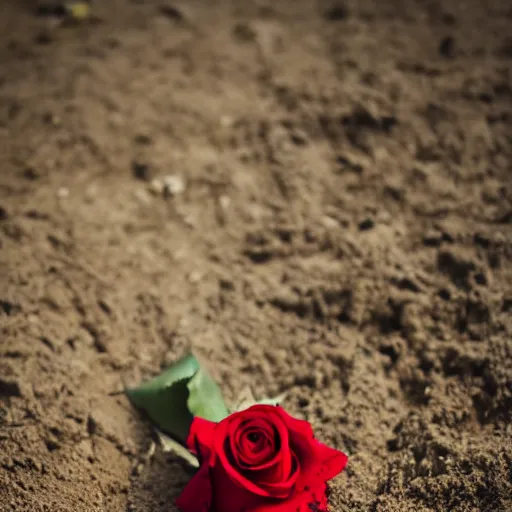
[(344, 235)]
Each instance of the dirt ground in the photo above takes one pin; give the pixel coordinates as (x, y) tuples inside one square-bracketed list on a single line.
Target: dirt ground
[(313, 196)]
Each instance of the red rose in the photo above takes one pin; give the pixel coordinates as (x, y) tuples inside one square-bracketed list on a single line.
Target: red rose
[(259, 460)]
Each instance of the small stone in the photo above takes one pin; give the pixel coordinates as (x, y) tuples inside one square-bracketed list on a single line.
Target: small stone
[(33, 319), (394, 191), (225, 202), (156, 187), (433, 238), (299, 137), (226, 121), (116, 120), (85, 449), (195, 276), (90, 193), (51, 119), (384, 217), (345, 163), (63, 192), (142, 196), (499, 237), (137, 469), (329, 222), (52, 444), (190, 221), (173, 185), (183, 323), (38, 466)]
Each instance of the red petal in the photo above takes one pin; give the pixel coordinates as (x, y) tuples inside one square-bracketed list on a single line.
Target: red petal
[(332, 461), (228, 496), (282, 460), (197, 495), (306, 499), (315, 457), (201, 436)]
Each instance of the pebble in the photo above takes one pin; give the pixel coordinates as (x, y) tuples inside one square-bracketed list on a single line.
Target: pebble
[(195, 276), (226, 121), (433, 238), (90, 193), (329, 222), (173, 185), (142, 196), (156, 187), (225, 202), (63, 192)]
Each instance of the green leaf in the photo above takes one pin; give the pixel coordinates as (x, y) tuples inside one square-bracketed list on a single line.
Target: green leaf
[(173, 398), (205, 399)]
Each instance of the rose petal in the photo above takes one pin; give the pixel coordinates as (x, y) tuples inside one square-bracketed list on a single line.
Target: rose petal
[(228, 495), (197, 495), (282, 461), (281, 488), (282, 454), (332, 462), (318, 464), (201, 437), (260, 452), (315, 457), (305, 499), (247, 454)]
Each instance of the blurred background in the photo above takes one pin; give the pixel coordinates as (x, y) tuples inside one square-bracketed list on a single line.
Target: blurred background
[(314, 196)]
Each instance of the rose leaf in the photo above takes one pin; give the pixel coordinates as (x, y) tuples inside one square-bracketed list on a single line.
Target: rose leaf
[(164, 398), (205, 398)]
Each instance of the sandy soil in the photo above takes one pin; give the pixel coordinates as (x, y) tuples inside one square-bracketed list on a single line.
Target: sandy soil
[(343, 234)]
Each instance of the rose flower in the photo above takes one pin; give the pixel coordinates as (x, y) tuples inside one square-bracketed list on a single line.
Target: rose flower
[(259, 460)]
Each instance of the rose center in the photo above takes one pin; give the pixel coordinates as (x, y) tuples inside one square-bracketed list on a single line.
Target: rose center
[(254, 437), (253, 443)]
